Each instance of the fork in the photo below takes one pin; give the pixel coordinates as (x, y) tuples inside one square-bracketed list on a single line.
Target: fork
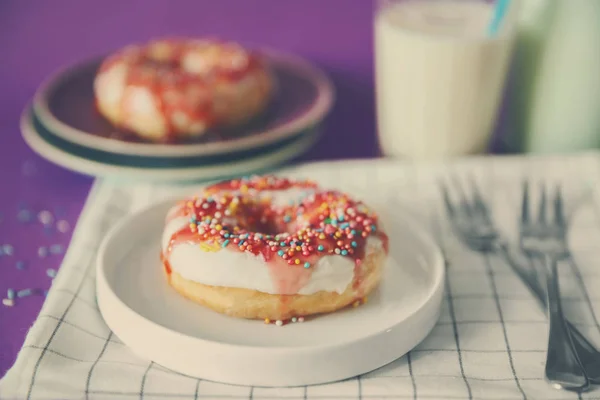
[(546, 240), (471, 219)]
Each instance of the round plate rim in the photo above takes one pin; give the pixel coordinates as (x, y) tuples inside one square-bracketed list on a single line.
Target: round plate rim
[(102, 285), (92, 168), (320, 107)]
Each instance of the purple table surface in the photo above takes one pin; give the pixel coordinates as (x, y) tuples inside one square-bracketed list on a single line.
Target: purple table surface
[(38, 37)]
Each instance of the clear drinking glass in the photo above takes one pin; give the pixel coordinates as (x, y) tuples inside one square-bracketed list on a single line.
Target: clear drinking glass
[(440, 74)]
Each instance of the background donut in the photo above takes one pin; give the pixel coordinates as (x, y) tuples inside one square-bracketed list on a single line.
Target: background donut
[(180, 88)]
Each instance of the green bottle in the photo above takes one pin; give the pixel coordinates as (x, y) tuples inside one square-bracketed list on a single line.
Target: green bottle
[(554, 90)]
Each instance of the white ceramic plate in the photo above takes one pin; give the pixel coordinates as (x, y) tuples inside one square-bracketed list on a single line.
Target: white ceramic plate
[(160, 325), (86, 166)]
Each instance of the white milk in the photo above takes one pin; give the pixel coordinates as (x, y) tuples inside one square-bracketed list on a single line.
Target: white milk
[(439, 78)]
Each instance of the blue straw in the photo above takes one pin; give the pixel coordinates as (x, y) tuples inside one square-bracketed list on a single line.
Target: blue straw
[(499, 13)]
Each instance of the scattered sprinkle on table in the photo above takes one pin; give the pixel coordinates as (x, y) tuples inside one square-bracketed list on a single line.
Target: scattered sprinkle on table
[(51, 273), (42, 251), (45, 217), (56, 249), (25, 215), (20, 265), (10, 294), (63, 226), (8, 249), (8, 302), (24, 293)]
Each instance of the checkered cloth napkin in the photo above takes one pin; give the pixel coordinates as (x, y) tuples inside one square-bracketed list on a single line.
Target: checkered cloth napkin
[(489, 342)]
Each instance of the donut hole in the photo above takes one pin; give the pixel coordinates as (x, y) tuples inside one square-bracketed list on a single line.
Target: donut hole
[(262, 219)]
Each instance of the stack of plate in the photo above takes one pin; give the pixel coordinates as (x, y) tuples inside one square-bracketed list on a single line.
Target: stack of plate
[(63, 126)]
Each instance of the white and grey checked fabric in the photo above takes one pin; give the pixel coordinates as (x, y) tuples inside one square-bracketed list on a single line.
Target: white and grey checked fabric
[(489, 342)]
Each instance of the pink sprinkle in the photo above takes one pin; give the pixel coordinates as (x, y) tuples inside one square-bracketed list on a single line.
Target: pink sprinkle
[(63, 226), (45, 217)]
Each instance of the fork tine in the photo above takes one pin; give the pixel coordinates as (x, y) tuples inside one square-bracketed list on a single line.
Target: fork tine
[(478, 202), (559, 217), (525, 203), (447, 202), (542, 210), (464, 200)]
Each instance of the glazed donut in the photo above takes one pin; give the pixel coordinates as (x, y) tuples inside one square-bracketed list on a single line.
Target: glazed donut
[(272, 248), (175, 89)]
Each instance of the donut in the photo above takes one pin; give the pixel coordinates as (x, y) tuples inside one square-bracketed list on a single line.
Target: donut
[(273, 248), (173, 89)]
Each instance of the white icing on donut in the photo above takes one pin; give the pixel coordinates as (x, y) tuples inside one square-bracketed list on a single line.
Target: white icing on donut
[(227, 268)]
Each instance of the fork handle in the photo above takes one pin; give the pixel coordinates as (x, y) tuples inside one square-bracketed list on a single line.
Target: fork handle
[(563, 367), (588, 355)]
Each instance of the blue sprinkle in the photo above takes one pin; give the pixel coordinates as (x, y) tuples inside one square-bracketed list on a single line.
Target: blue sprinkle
[(241, 242), (20, 265), (226, 235), (225, 243), (287, 218), (353, 244), (25, 216), (353, 231), (282, 244), (344, 252), (10, 293), (24, 293), (51, 272), (320, 248), (344, 225), (193, 218), (281, 253), (341, 217), (334, 222), (307, 265), (373, 227), (56, 249)]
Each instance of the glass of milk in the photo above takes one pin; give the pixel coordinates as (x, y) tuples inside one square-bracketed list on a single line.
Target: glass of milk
[(439, 76)]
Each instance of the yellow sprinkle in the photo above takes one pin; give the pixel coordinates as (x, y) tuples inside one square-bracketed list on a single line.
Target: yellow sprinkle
[(209, 248), (267, 320), (298, 248), (356, 304), (364, 300), (322, 236), (218, 227), (297, 261), (244, 189), (338, 234), (192, 226)]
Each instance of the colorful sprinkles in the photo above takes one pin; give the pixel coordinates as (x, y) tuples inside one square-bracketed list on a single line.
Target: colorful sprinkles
[(49, 224), (235, 214)]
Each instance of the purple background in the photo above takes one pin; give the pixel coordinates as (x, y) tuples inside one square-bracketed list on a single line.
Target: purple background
[(38, 37)]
